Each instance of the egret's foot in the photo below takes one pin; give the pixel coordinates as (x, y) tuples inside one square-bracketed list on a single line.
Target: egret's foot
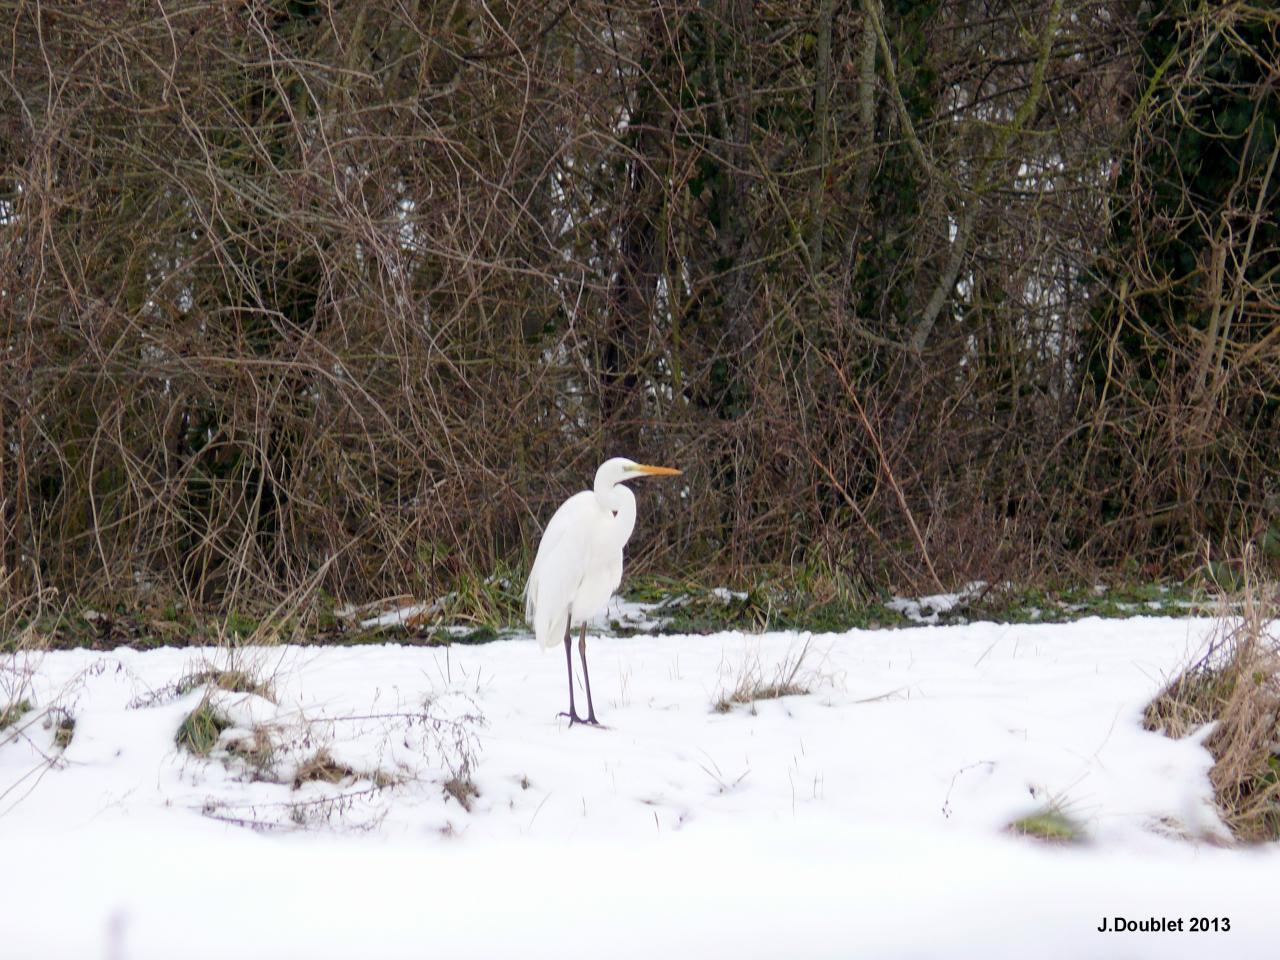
[(589, 721)]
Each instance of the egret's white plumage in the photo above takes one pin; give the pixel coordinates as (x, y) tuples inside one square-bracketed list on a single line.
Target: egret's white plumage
[(579, 561)]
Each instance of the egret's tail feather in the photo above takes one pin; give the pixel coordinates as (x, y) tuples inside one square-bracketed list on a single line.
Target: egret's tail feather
[(548, 625)]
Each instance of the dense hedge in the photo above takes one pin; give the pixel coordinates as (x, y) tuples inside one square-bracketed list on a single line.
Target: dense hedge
[(349, 295)]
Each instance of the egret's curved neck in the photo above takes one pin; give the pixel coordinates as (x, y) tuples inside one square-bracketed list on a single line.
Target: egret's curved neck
[(621, 502)]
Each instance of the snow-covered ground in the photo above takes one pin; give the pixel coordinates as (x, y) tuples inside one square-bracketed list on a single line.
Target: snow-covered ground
[(867, 818)]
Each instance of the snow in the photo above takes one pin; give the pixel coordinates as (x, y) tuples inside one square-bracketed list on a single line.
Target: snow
[(927, 609), (653, 616), (866, 818), (404, 616)]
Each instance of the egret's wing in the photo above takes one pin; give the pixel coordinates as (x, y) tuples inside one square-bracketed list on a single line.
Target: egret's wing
[(559, 568)]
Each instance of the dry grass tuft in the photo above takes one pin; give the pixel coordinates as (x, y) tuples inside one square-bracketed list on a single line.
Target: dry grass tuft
[(322, 768), (65, 727), (21, 650), (752, 681), (461, 788), (233, 681), (1236, 686), (243, 678), (257, 752), (13, 712)]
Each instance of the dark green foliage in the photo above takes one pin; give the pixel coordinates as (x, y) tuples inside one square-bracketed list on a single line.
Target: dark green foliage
[(1206, 136), (1180, 349)]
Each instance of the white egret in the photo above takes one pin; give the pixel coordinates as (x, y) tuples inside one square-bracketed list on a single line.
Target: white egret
[(579, 563)]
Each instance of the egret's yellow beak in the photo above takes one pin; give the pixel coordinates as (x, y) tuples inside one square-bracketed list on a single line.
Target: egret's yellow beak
[(656, 471)]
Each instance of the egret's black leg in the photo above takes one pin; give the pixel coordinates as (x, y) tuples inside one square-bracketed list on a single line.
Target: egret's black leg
[(568, 662), (582, 653)]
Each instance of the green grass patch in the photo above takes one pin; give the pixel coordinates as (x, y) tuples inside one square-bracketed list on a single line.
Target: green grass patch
[(804, 599), (493, 601), (237, 625), (481, 634), (1049, 825), (200, 731), (826, 605), (481, 609), (102, 626), (1069, 602)]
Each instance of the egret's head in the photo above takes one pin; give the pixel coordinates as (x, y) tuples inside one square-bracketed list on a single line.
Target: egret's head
[(620, 469)]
